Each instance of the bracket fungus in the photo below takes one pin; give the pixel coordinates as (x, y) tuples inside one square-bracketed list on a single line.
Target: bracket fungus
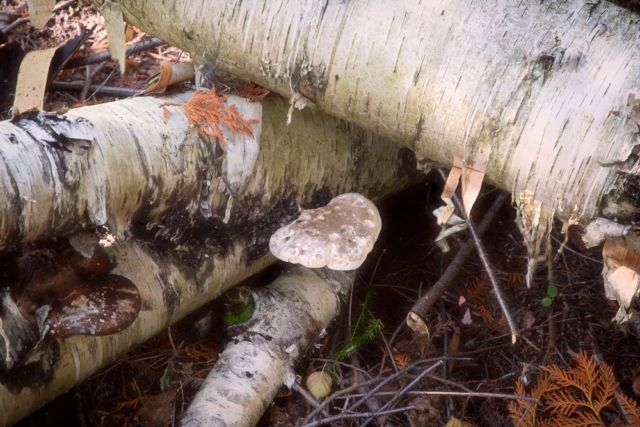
[(338, 236), (60, 288)]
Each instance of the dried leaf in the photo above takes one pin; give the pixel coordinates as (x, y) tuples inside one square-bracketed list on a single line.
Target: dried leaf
[(319, 384), (477, 287), (487, 317), (202, 352), (454, 422), (133, 403), (621, 277), (466, 319), (40, 11)]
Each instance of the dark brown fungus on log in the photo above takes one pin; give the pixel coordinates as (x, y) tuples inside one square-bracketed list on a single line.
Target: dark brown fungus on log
[(61, 288), (104, 307)]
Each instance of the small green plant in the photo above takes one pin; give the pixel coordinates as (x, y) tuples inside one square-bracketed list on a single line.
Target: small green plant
[(362, 332), (552, 292)]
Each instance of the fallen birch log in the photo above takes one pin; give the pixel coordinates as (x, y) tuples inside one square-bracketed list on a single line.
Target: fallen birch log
[(190, 218), (540, 97), (261, 356)]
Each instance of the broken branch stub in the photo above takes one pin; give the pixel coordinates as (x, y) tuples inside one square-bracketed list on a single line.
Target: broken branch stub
[(338, 236)]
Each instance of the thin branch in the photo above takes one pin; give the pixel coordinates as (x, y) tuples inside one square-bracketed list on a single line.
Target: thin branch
[(360, 415), (408, 387), (372, 403), (487, 266), (89, 80), (386, 381), (309, 398), (452, 393), (339, 393), (347, 365), (422, 306), (106, 56), (376, 380), (116, 92), (103, 83), (599, 261), (15, 24)]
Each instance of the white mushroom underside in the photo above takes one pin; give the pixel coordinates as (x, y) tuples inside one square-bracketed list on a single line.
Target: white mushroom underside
[(338, 236)]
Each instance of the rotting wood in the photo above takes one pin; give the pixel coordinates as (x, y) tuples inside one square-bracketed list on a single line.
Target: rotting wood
[(197, 219), (261, 356)]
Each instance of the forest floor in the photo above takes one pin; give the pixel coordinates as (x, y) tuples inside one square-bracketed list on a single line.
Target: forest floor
[(569, 356)]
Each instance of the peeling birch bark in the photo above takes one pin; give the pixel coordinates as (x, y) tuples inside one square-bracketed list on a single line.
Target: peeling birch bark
[(141, 169), (191, 219), (263, 352), (541, 89)]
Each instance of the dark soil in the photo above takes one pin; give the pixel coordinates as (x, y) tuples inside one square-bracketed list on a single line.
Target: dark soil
[(404, 264)]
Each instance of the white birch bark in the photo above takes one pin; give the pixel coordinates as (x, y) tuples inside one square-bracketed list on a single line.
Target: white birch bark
[(140, 168), (541, 88), (260, 359), (190, 223)]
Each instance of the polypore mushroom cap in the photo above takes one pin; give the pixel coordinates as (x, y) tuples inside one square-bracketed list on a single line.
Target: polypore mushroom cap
[(80, 296), (338, 236)]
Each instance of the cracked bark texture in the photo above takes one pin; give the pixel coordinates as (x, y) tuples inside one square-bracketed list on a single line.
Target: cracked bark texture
[(261, 356), (190, 218), (538, 88)]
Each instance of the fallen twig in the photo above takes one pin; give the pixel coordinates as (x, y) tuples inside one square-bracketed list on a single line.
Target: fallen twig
[(106, 56), (309, 398), (487, 266), (359, 415), (451, 393), (380, 381), (423, 305), (116, 92), (404, 391)]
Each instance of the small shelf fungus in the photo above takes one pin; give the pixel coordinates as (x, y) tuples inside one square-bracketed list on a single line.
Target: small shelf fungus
[(338, 236), (60, 288)]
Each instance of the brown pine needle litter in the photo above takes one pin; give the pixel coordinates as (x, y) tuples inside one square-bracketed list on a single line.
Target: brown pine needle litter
[(208, 110)]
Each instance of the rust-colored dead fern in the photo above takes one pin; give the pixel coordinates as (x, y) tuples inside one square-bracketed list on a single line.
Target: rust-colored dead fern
[(477, 287), (203, 352), (524, 412), (630, 407), (249, 90), (573, 397), (401, 359), (208, 111)]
